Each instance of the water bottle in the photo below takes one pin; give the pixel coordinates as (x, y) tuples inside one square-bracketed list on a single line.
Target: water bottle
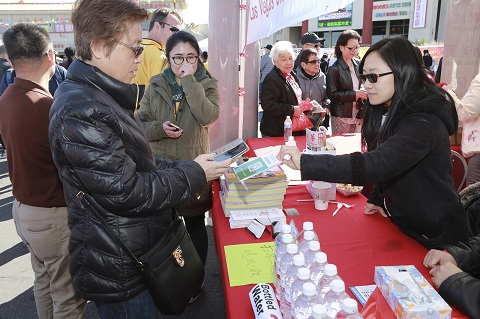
[(287, 128), (306, 226), (302, 307), (285, 262), (318, 312), (317, 268), (334, 298), (349, 310), (330, 274), (286, 229), (280, 250), (313, 249), (290, 276), (308, 236), (303, 276)]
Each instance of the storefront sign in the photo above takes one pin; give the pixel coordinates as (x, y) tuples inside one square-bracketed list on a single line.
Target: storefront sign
[(340, 18), (391, 10), (419, 14)]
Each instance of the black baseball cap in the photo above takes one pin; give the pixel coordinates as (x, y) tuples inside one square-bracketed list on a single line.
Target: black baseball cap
[(311, 38)]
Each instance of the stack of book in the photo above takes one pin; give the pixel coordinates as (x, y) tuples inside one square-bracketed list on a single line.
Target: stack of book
[(265, 190)]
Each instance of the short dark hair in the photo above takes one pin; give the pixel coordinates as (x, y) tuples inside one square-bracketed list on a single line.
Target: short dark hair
[(102, 21), (159, 16), (26, 42), (306, 54), (205, 55), (343, 40), (69, 52), (184, 37)]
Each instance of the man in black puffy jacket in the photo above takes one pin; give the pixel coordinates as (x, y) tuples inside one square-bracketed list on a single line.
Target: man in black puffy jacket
[(100, 148), (452, 271)]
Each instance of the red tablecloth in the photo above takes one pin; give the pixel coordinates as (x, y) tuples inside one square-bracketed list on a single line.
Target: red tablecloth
[(355, 242)]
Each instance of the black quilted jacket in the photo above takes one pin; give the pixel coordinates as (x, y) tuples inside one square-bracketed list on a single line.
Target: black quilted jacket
[(99, 147), (462, 290)]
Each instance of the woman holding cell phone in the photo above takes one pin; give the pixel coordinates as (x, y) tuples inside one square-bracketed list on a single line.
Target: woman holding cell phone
[(177, 109)]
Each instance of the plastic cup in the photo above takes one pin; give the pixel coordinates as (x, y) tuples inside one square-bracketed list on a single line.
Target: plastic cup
[(320, 193)]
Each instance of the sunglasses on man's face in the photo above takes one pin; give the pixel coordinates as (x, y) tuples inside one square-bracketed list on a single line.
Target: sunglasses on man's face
[(372, 77), (172, 27), (136, 50), (313, 62)]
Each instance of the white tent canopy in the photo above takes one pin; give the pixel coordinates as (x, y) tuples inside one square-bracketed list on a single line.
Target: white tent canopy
[(203, 45)]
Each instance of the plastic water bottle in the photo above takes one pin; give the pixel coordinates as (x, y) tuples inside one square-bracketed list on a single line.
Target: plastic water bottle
[(317, 268), (313, 248), (285, 262), (318, 312), (290, 276), (306, 226), (334, 298), (308, 236), (302, 307), (286, 229), (349, 310), (287, 128), (303, 276), (330, 274), (280, 250)]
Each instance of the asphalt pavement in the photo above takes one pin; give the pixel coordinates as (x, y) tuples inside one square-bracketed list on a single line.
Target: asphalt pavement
[(16, 275)]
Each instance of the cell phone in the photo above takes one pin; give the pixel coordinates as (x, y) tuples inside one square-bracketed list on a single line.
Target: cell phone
[(233, 150), (176, 127)]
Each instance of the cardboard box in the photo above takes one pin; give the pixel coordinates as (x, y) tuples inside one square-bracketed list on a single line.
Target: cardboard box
[(409, 294)]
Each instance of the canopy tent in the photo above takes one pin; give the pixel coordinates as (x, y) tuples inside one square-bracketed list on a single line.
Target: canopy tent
[(251, 20)]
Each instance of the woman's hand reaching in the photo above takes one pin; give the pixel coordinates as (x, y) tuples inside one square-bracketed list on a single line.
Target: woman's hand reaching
[(290, 155)]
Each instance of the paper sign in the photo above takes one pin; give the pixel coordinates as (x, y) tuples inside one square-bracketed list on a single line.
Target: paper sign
[(256, 166), (250, 263)]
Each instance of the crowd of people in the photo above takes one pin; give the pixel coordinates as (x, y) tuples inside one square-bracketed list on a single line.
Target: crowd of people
[(128, 126)]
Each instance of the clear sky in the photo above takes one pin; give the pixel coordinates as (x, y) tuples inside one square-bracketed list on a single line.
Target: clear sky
[(197, 11)]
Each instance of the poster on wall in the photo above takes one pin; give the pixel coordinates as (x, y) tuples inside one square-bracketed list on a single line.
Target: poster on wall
[(340, 18), (419, 14)]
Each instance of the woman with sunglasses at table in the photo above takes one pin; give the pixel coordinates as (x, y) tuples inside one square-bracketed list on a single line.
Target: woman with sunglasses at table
[(406, 133), (177, 109), (343, 87)]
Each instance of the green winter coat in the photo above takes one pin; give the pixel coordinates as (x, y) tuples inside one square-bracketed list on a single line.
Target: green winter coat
[(199, 108)]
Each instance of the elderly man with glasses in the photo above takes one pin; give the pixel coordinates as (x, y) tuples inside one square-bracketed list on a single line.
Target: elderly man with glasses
[(163, 23), (309, 41)]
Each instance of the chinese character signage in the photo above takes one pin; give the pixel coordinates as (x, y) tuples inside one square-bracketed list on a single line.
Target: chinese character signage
[(419, 14), (391, 10), (340, 18)]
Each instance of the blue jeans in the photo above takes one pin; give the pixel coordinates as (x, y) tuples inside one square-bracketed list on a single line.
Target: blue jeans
[(140, 306)]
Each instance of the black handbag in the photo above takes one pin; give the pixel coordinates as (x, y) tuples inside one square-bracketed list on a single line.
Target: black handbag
[(172, 269)]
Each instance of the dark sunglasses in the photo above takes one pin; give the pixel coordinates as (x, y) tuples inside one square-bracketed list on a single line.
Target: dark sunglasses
[(172, 27), (313, 62), (136, 50), (353, 49), (372, 77)]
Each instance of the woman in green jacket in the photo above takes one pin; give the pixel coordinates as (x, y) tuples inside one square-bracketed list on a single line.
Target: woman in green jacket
[(177, 109)]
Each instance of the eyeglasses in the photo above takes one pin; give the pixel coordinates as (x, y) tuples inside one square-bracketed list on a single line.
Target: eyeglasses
[(353, 49), (316, 46), (136, 50), (372, 77), (172, 27), (54, 52), (313, 62), (179, 59)]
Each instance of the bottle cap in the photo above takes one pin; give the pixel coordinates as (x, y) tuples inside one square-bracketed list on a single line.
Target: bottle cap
[(349, 306), (337, 285), (287, 238), (292, 249), (308, 235), (307, 225), (303, 273), (299, 260), (320, 257), (314, 245), (319, 311), (330, 270), (286, 229), (308, 289)]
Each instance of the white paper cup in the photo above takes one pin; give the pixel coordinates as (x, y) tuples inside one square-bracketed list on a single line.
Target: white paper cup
[(320, 192)]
